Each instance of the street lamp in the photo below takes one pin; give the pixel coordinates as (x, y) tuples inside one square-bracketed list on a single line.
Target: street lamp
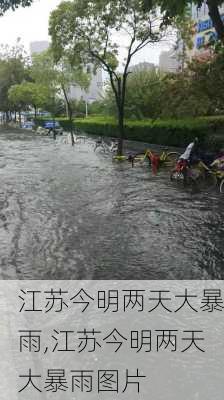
[(89, 101)]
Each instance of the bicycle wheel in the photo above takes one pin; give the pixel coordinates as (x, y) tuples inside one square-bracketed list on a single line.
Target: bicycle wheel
[(172, 157), (221, 186)]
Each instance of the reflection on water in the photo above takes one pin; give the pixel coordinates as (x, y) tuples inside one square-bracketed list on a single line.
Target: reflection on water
[(70, 213)]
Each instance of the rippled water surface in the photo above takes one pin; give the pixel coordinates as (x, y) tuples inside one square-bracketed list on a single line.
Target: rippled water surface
[(70, 213)]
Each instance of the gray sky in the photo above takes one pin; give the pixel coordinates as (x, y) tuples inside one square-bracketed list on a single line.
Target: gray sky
[(31, 24)]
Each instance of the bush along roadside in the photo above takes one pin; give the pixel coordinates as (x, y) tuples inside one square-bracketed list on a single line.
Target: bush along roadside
[(209, 130)]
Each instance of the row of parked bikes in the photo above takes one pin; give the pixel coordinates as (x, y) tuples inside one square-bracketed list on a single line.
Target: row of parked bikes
[(198, 175), (201, 174)]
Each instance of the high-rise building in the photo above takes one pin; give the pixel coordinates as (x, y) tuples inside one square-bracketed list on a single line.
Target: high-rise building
[(169, 62), (94, 92)]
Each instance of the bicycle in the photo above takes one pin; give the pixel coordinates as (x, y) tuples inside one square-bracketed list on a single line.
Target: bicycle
[(218, 176), (103, 146), (166, 158), (200, 176), (221, 187)]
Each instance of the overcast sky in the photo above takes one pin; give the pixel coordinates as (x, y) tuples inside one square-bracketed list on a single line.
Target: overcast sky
[(31, 24)]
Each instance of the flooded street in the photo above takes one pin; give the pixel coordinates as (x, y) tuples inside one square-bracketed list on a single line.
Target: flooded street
[(70, 213)]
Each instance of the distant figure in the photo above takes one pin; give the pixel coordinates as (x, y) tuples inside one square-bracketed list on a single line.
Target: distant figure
[(54, 134), (131, 159), (191, 154), (188, 158), (52, 130)]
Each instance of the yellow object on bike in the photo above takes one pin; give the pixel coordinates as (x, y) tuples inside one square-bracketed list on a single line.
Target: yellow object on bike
[(163, 156), (120, 158)]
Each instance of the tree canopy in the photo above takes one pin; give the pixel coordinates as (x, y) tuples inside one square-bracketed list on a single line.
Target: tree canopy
[(90, 31), (13, 70), (6, 5), (196, 91), (59, 77), (29, 94)]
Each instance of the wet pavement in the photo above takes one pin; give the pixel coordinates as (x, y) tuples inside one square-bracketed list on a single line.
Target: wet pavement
[(70, 213)]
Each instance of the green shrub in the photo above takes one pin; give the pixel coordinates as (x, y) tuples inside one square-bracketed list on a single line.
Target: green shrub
[(172, 132), (167, 132)]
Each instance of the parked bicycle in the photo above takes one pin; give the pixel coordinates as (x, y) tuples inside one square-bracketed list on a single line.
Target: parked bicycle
[(166, 158), (198, 175), (103, 146)]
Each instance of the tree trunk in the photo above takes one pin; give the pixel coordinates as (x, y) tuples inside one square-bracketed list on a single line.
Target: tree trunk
[(121, 131), (216, 19), (69, 114), (35, 112), (71, 127), (20, 121), (67, 111)]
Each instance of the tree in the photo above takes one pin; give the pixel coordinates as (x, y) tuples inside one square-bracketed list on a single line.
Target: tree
[(197, 91), (13, 70), (90, 32), (29, 94), (13, 4), (213, 6), (59, 77), (208, 79), (143, 95), (184, 37), (172, 8), (181, 98)]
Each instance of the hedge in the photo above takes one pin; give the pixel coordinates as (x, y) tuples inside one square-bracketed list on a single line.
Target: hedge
[(210, 130)]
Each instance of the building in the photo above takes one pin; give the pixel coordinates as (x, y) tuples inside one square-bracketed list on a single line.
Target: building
[(95, 89), (204, 31), (38, 47), (203, 34), (168, 61)]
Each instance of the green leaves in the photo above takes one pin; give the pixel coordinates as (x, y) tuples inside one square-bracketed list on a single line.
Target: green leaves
[(28, 94), (13, 4), (98, 32), (13, 70), (57, 75), (91, 31)]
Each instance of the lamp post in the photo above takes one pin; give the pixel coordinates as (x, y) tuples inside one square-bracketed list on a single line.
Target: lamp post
[(89, 100)]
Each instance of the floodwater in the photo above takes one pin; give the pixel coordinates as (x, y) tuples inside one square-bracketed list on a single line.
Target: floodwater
[(70, 213)]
